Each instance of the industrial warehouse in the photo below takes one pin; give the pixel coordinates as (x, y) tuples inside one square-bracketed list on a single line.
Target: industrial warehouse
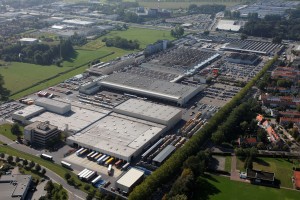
[(153, 88), (135, 125)]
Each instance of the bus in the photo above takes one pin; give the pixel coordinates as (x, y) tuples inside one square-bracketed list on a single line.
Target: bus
[(65, 164), (78, 151), (109, 161), (109, 170), (46, 157)]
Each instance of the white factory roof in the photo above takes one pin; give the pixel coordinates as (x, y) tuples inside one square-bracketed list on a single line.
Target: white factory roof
[(59, 27), (29, 110), (118, 135), (130, 177), (152, 110), (228, 25), (51, 102), (28, 40), (77, 21), (77, 119)]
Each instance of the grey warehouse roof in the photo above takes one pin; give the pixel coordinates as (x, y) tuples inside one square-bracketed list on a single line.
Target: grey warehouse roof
[(144, 108), (148, 85), (164, 154), (42, 101), (29, 110), (8, 190)]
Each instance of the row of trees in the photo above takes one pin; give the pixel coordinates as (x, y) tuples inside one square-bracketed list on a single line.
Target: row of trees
[(42, 54), (275, 26), (4, 93), (206, 9), (233, 126), (54, 191), (121, 43), (171, 168)]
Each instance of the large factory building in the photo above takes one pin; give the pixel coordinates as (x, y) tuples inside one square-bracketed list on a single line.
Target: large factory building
[(127, 132)]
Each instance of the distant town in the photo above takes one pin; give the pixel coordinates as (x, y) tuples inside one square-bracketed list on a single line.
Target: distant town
[(149, 100)]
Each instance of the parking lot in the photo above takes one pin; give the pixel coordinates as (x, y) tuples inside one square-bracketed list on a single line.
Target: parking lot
[(7, 109), (219, 94), (86, 163)]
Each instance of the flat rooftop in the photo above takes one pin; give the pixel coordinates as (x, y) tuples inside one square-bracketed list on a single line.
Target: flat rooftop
[(130, 177), (28, 39), (77, 119), (77, 21), (8, 190), (152, 110), (118, 135), (52, 102), (227, 25), (150, 86), (27, 111)]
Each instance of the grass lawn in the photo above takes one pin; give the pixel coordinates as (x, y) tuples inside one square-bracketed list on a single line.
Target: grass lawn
[(5, 130), (222, 188), (228, 163), (59, 170), (281, 167), (143, 35), (18, 76)]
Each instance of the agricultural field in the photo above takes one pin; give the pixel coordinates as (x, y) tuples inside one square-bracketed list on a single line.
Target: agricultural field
[(281, 167), (222, 188)]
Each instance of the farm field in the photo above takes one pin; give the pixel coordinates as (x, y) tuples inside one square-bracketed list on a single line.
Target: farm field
[(281, 167), (222, 188)]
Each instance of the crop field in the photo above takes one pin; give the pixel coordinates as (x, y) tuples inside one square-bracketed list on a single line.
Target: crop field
[(222, 188), (281, 167)]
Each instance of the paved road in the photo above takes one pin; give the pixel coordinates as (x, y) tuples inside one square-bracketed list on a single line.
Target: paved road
[(74, 194)]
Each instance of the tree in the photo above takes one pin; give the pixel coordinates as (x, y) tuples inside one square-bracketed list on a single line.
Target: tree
[(4, 93), (244, 36), (49, 186), (179, 197), (183, 184), (25, 162), (177, 32), (15, 129), (67, 176), (87, 187), (43, 171), (17, 159), (31, 164), (2, 155), (10, 159), (37, 167)]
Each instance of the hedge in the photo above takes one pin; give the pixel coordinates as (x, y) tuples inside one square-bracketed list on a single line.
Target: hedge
[(173, 165)]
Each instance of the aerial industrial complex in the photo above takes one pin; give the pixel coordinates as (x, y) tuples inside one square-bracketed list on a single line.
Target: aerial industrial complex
[(120, 120)]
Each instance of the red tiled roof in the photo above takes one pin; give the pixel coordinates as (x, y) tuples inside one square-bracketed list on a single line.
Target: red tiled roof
[(297, 179), (259, 117)]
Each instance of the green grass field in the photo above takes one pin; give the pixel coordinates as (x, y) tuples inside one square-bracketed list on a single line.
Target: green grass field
[(18, 75), (228, 164), (144, 36), (281, 167), (5, 130), (222, 188)]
